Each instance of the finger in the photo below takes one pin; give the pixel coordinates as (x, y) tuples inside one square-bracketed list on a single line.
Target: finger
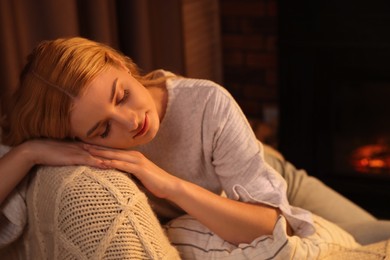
[(123, 166), (71, 147), (127, 156), (95, 162), (90, 161), (96, 147), (80, 145)]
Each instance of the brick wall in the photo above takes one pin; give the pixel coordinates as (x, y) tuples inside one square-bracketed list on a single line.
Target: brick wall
[(249, 35)]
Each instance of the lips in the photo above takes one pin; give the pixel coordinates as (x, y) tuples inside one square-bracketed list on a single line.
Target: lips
[(144, 127)]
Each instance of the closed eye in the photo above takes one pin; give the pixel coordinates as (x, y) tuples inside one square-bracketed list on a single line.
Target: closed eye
[(106, 131), (118, 102), (124, 97)]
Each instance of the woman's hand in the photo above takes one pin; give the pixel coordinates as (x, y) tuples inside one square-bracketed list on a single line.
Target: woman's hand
[(18, 161), (155, 179), (234, 221), (58, 153)]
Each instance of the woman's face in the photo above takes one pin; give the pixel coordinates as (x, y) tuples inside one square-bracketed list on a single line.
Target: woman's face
[(115, 111)]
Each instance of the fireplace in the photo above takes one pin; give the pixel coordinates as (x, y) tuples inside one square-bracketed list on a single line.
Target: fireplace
[(334, 85), (360, 127)]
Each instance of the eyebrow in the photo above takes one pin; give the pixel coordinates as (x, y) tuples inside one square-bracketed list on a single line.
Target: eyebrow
[(96, 126)]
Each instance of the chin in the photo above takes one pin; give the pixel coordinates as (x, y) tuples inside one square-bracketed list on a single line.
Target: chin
[(151, 135), (144, 140)]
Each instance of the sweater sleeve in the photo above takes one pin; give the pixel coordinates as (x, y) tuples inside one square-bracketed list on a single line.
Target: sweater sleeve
[(13, 216), (239, 163), (87, 213)]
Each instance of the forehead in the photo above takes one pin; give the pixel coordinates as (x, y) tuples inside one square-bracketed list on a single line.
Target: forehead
[(91, 106), (102, 82), (99, 80)]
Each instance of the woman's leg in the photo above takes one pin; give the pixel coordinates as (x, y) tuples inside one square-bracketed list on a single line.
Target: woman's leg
[(195, 241), (309, 193)]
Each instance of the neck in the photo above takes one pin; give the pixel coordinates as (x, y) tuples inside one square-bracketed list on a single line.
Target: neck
[(159, 94)]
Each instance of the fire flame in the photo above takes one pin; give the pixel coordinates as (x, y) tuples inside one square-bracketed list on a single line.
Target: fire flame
[(374, 158)]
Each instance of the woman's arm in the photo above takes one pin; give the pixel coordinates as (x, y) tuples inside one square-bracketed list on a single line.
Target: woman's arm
[(15, 164), (234, 221)]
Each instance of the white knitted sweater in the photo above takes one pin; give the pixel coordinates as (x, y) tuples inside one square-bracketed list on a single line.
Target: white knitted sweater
[(84, 213)]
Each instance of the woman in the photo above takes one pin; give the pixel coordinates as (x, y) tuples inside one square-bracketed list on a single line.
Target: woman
[(185, 140)]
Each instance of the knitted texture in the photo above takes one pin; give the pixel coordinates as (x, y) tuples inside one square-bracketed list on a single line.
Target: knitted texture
[(84, 213)]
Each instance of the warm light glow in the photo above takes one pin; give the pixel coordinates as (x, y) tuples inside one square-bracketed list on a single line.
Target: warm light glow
[(373, 158)]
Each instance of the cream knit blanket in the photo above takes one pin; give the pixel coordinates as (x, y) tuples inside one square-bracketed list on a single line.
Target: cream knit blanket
[(84, 213)]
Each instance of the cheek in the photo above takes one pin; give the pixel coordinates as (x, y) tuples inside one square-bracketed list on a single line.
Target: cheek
[(118, 138), (76, 121), (74, 128), (99, 141), (78, 129)]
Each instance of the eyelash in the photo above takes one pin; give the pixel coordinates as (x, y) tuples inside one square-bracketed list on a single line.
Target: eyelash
[(108, 125), (124, 98), (106, 131)]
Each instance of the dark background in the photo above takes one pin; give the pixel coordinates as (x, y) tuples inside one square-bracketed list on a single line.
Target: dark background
[(312, 76)]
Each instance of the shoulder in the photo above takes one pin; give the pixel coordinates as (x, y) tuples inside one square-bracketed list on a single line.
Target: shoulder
[(177, 83), (200, 90)]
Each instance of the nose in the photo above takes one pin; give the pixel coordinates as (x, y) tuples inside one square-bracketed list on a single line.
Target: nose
[(126, 119)]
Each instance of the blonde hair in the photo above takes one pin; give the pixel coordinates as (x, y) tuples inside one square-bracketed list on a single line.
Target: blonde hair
[(56, 72)]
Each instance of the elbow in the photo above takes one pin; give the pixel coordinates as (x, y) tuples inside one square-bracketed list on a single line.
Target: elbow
[(251, 234)]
